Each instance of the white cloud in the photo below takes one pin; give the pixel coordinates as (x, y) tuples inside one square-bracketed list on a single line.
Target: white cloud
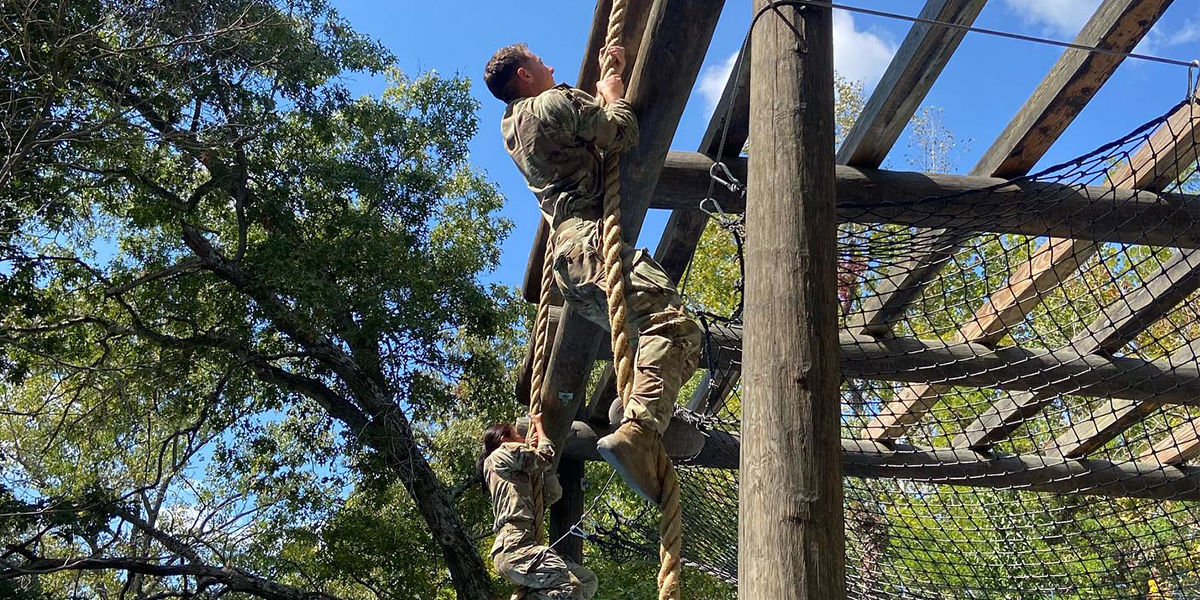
[(1061, 17), (1189, 33), (859, 55), (1160, 38), (712, 81)]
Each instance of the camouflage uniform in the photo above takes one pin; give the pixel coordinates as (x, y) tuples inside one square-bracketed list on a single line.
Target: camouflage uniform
[(516, 552), (556, 139)]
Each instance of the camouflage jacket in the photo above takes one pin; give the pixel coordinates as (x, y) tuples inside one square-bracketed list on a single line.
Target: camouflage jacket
[(507, 473), (556, 139)]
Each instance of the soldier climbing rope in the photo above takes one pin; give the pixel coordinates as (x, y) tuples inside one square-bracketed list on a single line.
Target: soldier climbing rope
[(613, 253)]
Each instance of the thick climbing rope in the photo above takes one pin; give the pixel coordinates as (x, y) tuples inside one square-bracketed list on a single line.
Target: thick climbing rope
[(541, 356), (671, 526)]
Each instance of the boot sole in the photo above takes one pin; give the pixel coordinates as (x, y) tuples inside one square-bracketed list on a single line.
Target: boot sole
[(610, 457)]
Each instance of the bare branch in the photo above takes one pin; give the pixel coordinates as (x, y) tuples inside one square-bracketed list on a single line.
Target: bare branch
[(234, 580), (176, 269)]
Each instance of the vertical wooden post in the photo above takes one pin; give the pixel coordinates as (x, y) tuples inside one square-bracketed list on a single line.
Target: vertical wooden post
[(567, 511), (791, 536)]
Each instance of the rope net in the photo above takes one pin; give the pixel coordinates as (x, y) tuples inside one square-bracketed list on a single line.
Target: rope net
[(1022, 426)]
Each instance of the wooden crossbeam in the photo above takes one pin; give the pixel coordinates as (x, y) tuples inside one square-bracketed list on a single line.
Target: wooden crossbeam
[(973, 203), (1115, 416), (1063, 371), (1070, 85), (1153, 166), (961, 467), (1019, 369), (1182, 443)]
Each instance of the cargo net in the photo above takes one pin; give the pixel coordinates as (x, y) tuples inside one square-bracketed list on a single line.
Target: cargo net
[(1022, 426)]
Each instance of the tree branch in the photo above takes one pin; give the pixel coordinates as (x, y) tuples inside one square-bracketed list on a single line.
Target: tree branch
[(374, 398), (337, 406), (167, 540), (181, 267), (234, 580)]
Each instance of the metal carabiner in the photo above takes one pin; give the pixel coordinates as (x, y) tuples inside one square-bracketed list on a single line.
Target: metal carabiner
[(1193, 88), (729, 181), (716, 212)]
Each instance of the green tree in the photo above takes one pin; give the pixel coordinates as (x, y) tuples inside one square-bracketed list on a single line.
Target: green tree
[(215, 258)]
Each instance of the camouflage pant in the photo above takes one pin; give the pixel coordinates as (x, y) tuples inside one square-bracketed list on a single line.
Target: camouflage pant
[(667, 337), (520, 559)]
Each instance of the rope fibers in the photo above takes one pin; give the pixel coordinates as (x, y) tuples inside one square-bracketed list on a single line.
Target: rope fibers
[(1061, 473)]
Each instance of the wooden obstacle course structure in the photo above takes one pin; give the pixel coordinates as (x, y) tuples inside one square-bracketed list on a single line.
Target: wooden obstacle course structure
[(665, 60)]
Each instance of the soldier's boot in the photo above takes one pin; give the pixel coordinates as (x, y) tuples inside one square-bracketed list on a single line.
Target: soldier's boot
[(631, 451)]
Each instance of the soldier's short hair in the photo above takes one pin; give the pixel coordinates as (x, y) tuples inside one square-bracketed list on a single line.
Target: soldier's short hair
[(500, 75)]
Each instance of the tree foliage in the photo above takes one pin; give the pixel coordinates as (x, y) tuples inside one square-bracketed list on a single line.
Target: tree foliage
[(237, 304)]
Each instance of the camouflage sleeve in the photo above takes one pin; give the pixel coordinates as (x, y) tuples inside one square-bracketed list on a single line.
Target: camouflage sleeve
[(520, 458), (612, 128)]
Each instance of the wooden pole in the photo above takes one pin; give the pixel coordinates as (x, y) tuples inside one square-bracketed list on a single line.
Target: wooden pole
[(567, 511), (791, 538)]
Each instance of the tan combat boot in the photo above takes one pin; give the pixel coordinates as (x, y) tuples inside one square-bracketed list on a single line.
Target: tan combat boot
[(630, 450)]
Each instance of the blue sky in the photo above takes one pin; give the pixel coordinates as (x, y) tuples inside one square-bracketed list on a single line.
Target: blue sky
[(984, 85)]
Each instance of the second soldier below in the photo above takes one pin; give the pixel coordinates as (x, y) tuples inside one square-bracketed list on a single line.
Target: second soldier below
[(558, 135)]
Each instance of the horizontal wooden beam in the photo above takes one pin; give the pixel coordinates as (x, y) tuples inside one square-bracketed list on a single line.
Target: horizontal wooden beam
[(1063, 371), (1019, 369), (961, 467), (970, 204)]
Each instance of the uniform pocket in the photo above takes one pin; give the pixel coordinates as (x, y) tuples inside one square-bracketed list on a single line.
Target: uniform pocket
[(648, 277)]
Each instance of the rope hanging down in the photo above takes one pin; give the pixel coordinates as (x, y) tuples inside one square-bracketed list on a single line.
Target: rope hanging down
[(670, 526), (670, 530)]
